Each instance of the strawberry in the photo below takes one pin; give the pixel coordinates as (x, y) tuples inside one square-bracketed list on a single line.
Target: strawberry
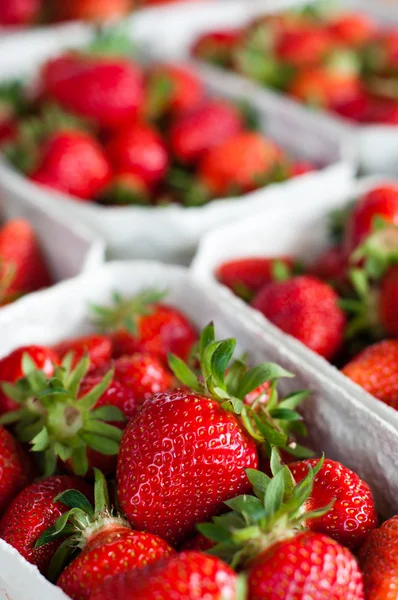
[(376, 370), (192, 575), (353, 514), (173, 501), (352, 29), (32, 512), (199, 542), (139, 150), (306, 308), (106, 542), (90, 10), (381, 110), (331, 265), (19, 12), (172, 89), (301, 167), (97, 347), (240, 164), (304, 46), (323, 88), (23, 267), (143, 324), (378, 561), (126, 189), (388, 299), (381, 54), (12, 369), (144, 374), (16, 470), (217, 47), (72, 162), (193, 134), (246, 276)]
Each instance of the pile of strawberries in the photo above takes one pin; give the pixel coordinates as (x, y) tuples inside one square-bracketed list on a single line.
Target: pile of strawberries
[(100, 127), (215, 496), (344, 305), (341, 63)]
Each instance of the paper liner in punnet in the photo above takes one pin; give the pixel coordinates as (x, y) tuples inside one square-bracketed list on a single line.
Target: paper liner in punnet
[(346, 428), (301, 231), (171, 233), (376, 146)]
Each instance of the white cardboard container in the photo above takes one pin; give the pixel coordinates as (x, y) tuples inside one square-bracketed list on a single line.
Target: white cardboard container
[(301, 231), (172, 233), (345, 427)]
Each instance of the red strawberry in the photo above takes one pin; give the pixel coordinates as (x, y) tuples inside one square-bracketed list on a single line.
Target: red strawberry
[(379, 202), (353, 514), (301, 167), (352, 29), (106, 542), (90, 10), (108, 91), (11, 369), (211, 124), (19, 12), (381, 110), (97, 347), (217, 46), (355, 108), (242, 163), (376, 370), (388, 300), (379, 563), (139, 149), (125, 189), (142, 324), (304, 46), (23, 267), (331, 265), (190, 575), (172, 89), (307, 309), (32, 512), (144, 374), (16, 470), (73, 162), (324, 88), (246, 276), (199, 542)]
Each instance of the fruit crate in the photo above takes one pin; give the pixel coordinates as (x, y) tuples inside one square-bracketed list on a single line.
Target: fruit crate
[(376, 146), (171, 233), (339, 423)]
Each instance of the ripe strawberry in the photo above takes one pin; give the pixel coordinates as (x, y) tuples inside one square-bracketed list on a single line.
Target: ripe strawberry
[(307, 309), (352, 29), (11, 369), (106, 542), (15, 469), (324, 88), (381, 110), (209, 125), (139, 149), (192, 575), (217, 47), (23, 267), (304, 46), (353, 514), (179, 496), (172, 89), (126, 189), (379, 202), (246, 276), (19, 12), (242, 163), (143, 324), (90, 10), (376, 370), (32, 512), (199, 542), (109, 91), (97, 347), (301, 167), (379, 563), (72, 162), (331, 265), (144, 374), (388, 300)]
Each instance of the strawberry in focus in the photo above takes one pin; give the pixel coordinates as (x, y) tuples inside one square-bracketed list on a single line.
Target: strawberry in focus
[(378, 561)]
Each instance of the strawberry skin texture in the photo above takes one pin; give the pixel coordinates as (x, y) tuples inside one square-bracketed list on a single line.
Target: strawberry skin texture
[(113, 550), (19, 12), (193, 134), (16, 470), (238, 163), (177, 444), (20, 251), (139, 149), (165, 330), (378, 559), (307, 566), (144, 374), (376, 370), (190, 575), (353, 515), (74, 163), (11, 369), (199, 542), (32, 512), (97, 347), (388, 302), (307, 309)]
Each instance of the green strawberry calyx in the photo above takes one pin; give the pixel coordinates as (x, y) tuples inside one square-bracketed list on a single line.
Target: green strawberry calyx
[(230, 382), (80, 524), (276, 512), (379, 250), (56, 420)]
